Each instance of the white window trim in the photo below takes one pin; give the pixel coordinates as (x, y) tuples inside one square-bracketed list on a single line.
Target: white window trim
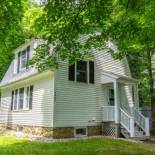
[(14, 100), (22, 68), (24, 102), (78, 136), (27, 98), (16, 63)]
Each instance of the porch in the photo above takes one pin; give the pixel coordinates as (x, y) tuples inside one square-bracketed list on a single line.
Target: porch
[(122, 104)]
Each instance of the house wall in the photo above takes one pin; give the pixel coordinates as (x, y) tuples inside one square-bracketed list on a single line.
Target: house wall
[(11, 75), (42, 105), (79, 104)]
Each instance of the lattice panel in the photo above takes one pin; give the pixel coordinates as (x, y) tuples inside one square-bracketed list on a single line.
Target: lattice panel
[(109, 130)]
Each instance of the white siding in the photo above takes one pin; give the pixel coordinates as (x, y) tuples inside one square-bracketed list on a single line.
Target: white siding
[(42, 106), (11, 74), (77, 104)]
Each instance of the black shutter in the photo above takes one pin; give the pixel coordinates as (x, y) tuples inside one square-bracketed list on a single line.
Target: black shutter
[(91, 72), (28, 56), (12, 100), (72, 72), (31, 97), (18, 65)]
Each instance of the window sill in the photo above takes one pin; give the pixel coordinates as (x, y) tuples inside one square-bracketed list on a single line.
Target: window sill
[(78, 82), (80, 136), (24, 110), (21, 71)]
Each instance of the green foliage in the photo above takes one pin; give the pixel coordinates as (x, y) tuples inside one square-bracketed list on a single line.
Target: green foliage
[(128, 23), (74, 27), (16, 26), (63, 22), (10, 15)]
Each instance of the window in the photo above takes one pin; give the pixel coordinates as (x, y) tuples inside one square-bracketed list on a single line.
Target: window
[(29, 97), (12, 100), (82, 71), (79, 132), (23, 58), (15, 100), (111, 97), (21, 98), (21, 102)]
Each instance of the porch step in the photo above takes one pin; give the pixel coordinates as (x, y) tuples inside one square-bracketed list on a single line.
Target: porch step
[(125, 133), (139, 135)]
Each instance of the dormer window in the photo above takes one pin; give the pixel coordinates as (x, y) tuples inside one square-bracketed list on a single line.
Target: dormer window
[(23, 58)]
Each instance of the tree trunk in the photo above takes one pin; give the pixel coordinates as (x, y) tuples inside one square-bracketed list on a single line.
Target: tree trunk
[(151, 90)]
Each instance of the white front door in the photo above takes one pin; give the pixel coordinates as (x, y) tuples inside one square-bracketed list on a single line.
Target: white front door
[(111, 98)]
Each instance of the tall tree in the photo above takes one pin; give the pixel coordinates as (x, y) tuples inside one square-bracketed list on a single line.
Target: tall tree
[(10, 16), (16, 21)]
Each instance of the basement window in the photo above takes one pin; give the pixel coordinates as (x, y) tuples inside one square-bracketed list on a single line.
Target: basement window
[(80, 132)]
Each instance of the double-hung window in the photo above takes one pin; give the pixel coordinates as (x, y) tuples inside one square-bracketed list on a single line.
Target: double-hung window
[(14, 100), (23, 58), (29, 97), (22, 98), (82, 71)]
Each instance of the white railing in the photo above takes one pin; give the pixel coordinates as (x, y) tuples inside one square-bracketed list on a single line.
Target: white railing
[(108, 113), (142, 122), (127, 122)]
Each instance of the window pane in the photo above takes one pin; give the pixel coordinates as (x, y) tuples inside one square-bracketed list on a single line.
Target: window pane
[(21, 98), (15, 100), (23, 59), (72, 72), (81, 73), (27, 97), (91, 72), (111, 97), (31, 97), (12, 99), (18, 66), (81, 131), (28, 55)]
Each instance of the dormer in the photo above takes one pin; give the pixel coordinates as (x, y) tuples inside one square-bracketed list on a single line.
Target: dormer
[(18, 68), (22, 55)]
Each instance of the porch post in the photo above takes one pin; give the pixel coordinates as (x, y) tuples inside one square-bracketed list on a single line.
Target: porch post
[(117, 104), (136, 94)]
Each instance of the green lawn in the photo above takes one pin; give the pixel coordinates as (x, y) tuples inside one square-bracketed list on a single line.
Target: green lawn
[(97, 146)]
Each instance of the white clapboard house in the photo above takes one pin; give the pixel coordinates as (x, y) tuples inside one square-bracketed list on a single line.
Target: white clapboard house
[(96, 97)]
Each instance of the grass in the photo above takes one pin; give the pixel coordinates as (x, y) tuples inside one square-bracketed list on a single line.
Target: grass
[(96, 146)]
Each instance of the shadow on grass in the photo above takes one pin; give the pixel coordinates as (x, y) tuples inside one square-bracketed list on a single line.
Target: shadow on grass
[(14, 146)]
